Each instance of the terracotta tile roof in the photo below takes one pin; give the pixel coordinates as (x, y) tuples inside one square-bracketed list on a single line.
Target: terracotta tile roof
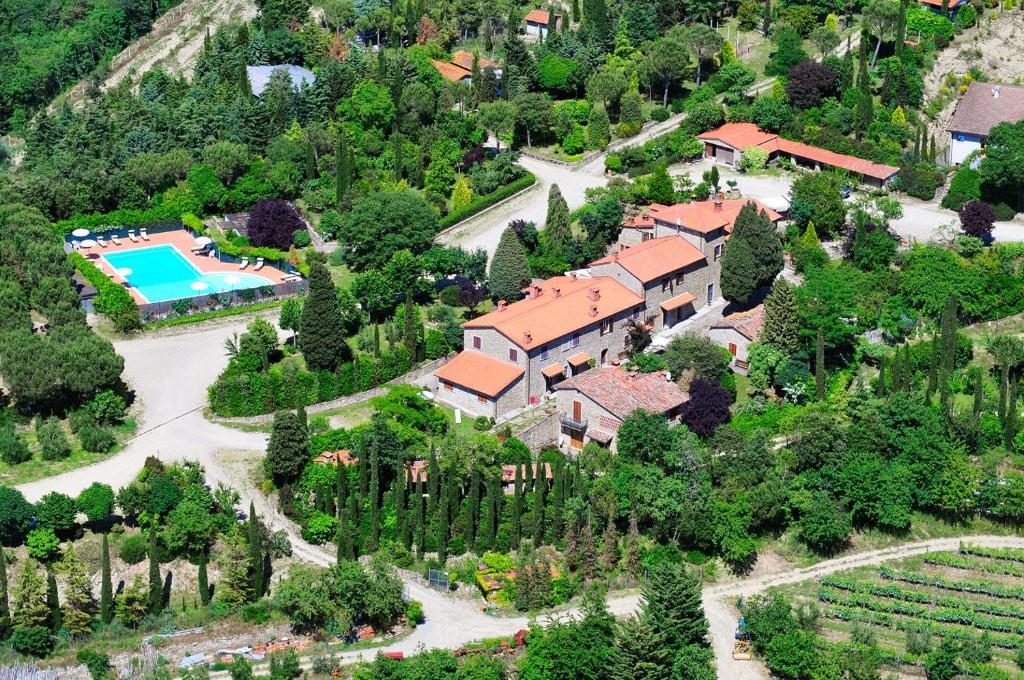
[(464, 59), (839, 160), (738, 135), (978, 111), (744, 135), (704, 216), (452, 72), (655, 258), (343, 456), (539, 16), (638, 222), (480, 373), (953, 4), (418, 469), (747, 323), (678, 301), (579, 359), (553, 371), (558, 307), (622, 392)]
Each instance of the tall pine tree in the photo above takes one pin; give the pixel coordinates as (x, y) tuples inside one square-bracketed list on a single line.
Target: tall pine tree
[(558, 224), (322, 330), (948, 327), (156, 586), (106, 584), (510, 269), (781, 329), (538, 506), (517, 509), (52, 601), (255, 554)]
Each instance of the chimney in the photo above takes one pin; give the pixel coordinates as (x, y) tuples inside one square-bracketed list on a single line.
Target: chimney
[(594, 294), (537, 290), (527, 337), (615, 257), (719, 198), (555, 291), (995, 92), (502, 305), (572, 275), (593, 310)]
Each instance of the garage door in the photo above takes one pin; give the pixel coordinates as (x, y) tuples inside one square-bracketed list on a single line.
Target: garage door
[(724, 155)]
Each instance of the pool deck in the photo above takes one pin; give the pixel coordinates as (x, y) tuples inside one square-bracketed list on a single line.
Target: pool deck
[(183, 241)]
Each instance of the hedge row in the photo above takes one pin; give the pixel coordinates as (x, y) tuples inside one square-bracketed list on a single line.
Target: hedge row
[(118, 219), (979, 587), (854, 614), (1006, 554), (893, 592), (112, 299), (212, 314), (483, 202), (960, 562), (239, 393)]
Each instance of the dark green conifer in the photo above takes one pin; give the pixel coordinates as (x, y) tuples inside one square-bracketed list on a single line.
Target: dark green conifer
[(255, 553), (538, 506), (52, 601), (106, 583), (819, 365), (204, 583), (517, 509), (156, 588)]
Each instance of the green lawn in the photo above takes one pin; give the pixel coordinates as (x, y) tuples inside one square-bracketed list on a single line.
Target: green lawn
[(12, 475)]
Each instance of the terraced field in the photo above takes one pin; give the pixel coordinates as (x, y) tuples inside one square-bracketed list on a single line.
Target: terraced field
[(975, 592)]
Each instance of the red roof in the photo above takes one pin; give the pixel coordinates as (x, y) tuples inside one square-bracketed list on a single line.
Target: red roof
[(639, 222), (622, 392), (748, 323), (953, 4), (480, 373), (539, 16), (706, 216), (343, 456), (738, 135), (745, 135), (452, 72), (558, 307), (464, 59), (678, 301), (655, 258)]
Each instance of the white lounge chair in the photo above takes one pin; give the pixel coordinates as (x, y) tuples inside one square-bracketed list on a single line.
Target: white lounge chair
[(244, 263), (101, 242), (211, 253), (197, 249), (132, 236), (143, 234), (259, 264), (115, 240)]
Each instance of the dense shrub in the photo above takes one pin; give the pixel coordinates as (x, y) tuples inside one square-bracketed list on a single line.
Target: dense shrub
[(134, 549), (33, 641), (112, 299), (919, 181), (95, 439), (273, 223), (964, 187)]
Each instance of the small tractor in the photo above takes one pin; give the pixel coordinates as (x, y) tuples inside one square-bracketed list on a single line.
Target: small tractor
[(741, 648)]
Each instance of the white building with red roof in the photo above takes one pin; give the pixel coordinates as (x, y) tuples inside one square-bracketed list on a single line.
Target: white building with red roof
[(727, 143), (540, 22), (736, 331)]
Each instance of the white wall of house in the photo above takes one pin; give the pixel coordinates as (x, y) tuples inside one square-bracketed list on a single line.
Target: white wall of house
[(732, 340), (962, 144)]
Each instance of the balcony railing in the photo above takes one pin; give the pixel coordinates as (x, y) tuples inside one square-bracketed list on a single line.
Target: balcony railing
[(572, 423)]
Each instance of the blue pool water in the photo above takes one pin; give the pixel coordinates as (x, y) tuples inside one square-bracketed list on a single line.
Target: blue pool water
[(162, 273)]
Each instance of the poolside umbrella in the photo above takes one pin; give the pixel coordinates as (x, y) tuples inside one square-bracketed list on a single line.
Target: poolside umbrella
[(204, 241), (88, 243), (232, 280), (123, 272), (199, 285), (81, 232)]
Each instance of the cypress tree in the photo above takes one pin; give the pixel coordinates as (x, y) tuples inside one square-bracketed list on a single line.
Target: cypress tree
[(557, 500), (340, 489), (510, 269), (633, 557), (485, 537), (421, 521), (767, 23), (530, 469), (255, 554), (517, 510), (610, 545), (410, 336), (362, 469), (56, 620), (342, 169), (156, 590), (979, 392), (933, 369), (1010, 428), (346, 550), (433, 481), (310, 161), (754, 227), (473, 508), (819, 365), (895, 372), (781, 328), (538, 506), (587, 552), (106, 584), (908, 371), (948, 330), (576, 10), (376, 340), (322, 330), (901, 28), (5, 605), (443, 525), (396, 139), (374, 497), (204, 583), (558, 224), (401, 521), (880, 392)]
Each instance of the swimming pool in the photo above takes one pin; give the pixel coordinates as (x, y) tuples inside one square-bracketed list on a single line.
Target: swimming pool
[(162, 273)]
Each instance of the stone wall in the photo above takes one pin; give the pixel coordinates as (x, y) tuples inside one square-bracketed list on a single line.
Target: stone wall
[(540, 434)]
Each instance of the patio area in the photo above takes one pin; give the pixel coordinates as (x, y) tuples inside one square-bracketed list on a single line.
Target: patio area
[(89, 246)]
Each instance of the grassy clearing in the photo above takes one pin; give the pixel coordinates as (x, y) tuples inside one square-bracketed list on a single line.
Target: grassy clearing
[(37, 468)]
